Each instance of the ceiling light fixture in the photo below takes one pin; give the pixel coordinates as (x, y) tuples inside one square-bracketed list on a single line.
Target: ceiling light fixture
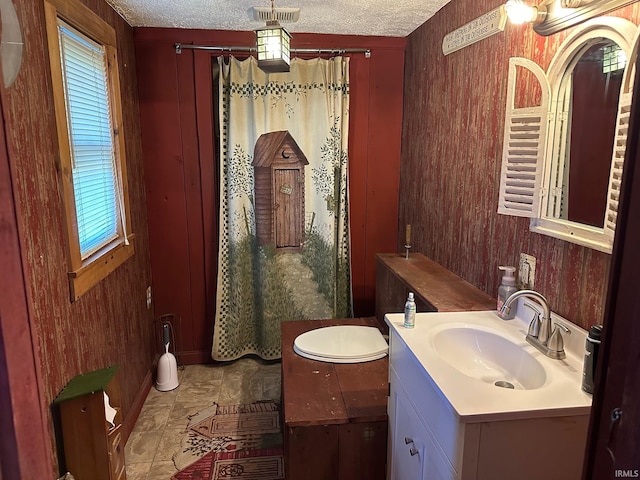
[(273, 44), (519, 12)]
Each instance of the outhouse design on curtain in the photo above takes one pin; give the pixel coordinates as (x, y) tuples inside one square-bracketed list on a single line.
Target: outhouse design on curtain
[(284, 229)]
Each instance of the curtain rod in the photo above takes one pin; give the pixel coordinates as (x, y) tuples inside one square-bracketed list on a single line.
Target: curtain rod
[(334, 51)]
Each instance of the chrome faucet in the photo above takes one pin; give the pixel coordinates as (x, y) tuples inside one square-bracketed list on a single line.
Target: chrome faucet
[(541, 333)]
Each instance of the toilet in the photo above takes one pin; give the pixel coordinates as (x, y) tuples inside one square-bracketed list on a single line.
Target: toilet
[(342, 344)]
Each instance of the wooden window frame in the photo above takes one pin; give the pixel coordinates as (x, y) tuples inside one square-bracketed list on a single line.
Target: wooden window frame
[(85, 273)]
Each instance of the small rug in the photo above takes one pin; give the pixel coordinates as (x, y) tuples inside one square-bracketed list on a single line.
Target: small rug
[(266, 464), (232, 441)]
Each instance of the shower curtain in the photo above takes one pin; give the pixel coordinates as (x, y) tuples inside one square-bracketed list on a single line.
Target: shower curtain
[(284, 230)]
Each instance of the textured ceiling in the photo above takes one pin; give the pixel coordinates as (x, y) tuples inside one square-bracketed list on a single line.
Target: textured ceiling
[(390, 18)]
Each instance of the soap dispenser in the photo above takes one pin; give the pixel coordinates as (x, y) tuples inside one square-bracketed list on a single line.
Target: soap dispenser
[(507, 287)]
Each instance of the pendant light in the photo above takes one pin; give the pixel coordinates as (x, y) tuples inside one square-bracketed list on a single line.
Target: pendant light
[(272, 42)]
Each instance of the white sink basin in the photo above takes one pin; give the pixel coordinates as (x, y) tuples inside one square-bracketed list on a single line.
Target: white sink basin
[(469, 356), (488, 357)]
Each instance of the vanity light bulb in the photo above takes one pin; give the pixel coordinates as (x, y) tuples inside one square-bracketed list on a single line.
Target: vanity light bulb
[(519, 12)]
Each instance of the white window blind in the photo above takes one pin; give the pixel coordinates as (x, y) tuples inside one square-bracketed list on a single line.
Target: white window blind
[(95, 177)]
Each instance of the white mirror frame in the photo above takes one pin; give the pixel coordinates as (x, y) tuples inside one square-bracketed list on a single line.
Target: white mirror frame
[(527, 157)]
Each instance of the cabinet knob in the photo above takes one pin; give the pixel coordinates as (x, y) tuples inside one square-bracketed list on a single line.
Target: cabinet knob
[(408, 440), (413, 451)]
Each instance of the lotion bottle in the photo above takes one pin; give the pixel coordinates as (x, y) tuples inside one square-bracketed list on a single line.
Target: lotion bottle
[(507, 287), (410, 312), (591, 358)]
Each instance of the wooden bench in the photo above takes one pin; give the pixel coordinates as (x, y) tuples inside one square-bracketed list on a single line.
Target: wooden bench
[(335, 415)]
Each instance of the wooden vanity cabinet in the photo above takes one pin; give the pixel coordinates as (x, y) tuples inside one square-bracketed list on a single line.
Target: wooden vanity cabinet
[(93, 448)]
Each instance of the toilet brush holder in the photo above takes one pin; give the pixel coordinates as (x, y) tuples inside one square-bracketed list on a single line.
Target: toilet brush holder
[(167, 374)]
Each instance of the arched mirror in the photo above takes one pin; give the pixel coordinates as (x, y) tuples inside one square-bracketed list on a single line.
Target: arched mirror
[(566, 174)]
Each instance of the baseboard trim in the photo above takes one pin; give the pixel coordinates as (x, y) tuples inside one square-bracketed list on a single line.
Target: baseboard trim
[(134, 412), (194, 357)]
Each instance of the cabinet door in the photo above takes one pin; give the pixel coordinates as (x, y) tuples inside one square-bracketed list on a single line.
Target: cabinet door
[(116, 455), (414, 454), (407, 462)]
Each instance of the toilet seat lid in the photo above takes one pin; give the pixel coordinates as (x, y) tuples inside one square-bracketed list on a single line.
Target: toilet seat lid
[(342, 342), (339, 360)]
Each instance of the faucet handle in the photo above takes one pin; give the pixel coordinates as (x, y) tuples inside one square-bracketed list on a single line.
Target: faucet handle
[(556, 343), (534, 327), (563, 327)]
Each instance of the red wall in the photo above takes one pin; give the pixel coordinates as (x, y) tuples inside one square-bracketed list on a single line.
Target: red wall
[(108, 325), (180, 168), (25, 450), (454, 109)]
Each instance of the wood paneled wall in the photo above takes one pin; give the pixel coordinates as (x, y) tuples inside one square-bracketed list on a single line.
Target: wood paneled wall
[(454, 109), (25, 450), (110, 324), (180, 167)]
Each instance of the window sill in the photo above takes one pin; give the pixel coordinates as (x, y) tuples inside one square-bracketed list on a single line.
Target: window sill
[(98, 266)]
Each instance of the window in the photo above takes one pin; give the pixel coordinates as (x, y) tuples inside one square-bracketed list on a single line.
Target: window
[(614, 59), (84, 70)]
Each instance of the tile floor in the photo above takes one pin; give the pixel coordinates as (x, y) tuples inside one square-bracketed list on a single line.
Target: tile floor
[(163, 420)]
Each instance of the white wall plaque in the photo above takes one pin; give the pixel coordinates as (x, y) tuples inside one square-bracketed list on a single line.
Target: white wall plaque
[(482, 27)]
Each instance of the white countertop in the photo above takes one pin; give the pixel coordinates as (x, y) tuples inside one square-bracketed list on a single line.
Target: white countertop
[(560, 393)]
